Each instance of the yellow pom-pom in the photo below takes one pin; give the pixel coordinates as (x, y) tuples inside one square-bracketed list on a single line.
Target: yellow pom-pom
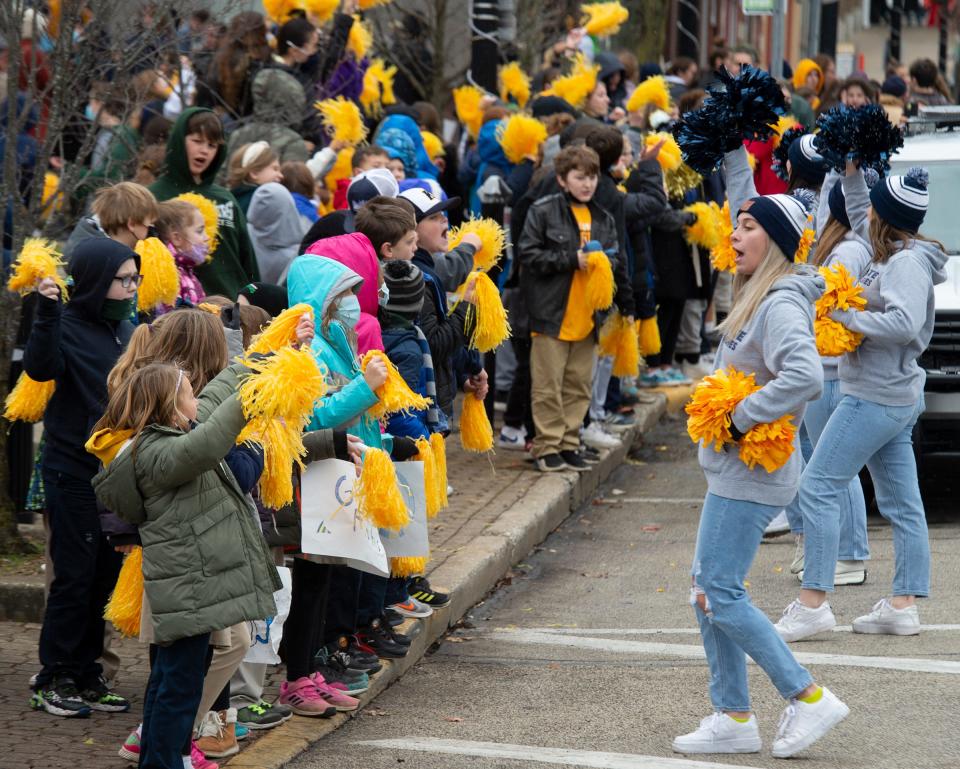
[(669, 156), (377, 87), (768, 445), (126, 603), (342, 168), (520, 137), (514, 82), (806, 242), (378, 495), (27, 401), (604, 19), (493, 239), (407, 567), (722, 255), (486, 315), (680, 181), (833, 338), (425, 455), (161, 281), (211, 219), (842, 293), (432, 144), (38, 259), (649, 332), (366, 5), (705, 231), (600, 283), (579, 84), (360, 39), (476, 434), (467, 101), (653, 90), (280, 11), (282, 331), (394, 395), (784, 124), (342, 120), (284, 385), (51, 199), (712, 403), (618, 338), (320, 11), (439, 448), (282, 444)]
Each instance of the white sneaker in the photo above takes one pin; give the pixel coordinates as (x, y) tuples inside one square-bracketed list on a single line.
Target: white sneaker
[(803, 723), (846, 573), (596, 437), (512, 438), (797, 566), (718, 733), (799, 622), (886, 620), (695, 371), (778, 526)]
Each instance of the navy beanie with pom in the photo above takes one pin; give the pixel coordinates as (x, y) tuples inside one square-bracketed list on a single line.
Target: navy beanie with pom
[(783, 218), (807, 163), (837, 201), (902, 201)]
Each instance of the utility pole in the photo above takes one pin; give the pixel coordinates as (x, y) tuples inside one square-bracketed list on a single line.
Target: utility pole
[(813, 28), (776, 44), (484, 46)]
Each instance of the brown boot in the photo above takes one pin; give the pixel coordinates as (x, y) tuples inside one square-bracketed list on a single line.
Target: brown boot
[(217, 735)]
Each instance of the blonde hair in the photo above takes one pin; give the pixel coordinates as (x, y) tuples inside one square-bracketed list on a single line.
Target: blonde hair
[(237, 171), (887, 240), (749, 291), (175, 216), (123, 202)]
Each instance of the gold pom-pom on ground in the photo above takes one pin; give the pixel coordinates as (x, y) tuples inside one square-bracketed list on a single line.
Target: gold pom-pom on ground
[(476, 434), (211, 219), (126, 602), (467, 100), (27, 401), (600, 283), (575, 87), (768, 445), (394, 395), (378, 494), (407, 566), (486, 315), (493, 240), (649, 332), (520, 137), (604, 19), (281, 332), (669, 156), (342, 120), (514, 82), (360, 38), (705, 231), (161, 281), (712, 403), (653, 90), (619, 339), (439, 447), (38, 259)]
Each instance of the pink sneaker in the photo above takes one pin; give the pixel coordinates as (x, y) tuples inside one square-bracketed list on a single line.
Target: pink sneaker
[(130, 750), (303, 698), (334, 696), (198, 760)]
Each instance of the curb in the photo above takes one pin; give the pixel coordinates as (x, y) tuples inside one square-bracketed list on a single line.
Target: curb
[(469, 575)]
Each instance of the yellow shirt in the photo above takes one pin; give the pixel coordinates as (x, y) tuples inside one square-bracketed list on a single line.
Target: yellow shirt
[(578, 318)]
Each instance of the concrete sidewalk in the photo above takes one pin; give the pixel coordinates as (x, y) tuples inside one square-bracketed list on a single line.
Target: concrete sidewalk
[(500, 510)]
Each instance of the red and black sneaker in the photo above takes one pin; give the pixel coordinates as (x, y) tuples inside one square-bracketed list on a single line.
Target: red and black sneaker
[(376, 637)]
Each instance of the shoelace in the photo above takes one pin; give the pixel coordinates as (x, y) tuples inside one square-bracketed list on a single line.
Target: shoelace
[(880, 606), (213, 718), (786, 719), (791, 608), (712, 722)]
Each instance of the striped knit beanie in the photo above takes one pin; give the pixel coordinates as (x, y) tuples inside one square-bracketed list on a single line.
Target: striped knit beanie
[(806, 162), (783, 218), (902, 201), (404, 280)]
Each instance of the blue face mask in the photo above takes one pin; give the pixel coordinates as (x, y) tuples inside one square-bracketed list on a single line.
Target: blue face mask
[(348, 311), (383, 295), (89, 114)]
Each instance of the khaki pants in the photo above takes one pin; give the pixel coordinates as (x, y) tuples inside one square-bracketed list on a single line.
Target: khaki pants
[(561, 375), (224, 664)]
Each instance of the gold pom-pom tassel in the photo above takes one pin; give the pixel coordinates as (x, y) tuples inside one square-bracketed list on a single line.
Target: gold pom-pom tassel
[(432, 144), (407, 566), (394, 395), (342, 120), (281, 332), (514, 82), (784, 124), (360, 39), (680, 181), (378, 494), (280, 11), (520, 137), (161, 281), (378, 87), (27, 401), (722, 255), (705, 231), (842, 293), (282, 445), (768, 445), (439, 447), (649, 332), (712, 403), (476, 434), (431, 478), (653, 90), (467, 101), (486, 315), (578, 85), (320, 11), (806, 242), (833, 338), (600, 284), (126, 603), (604, 19), (669, 156), (38, 259), (618, 338), (493, 239), (211, 219)]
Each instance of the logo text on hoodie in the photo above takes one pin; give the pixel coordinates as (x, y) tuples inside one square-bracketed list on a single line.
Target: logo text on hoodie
[(225, 215)]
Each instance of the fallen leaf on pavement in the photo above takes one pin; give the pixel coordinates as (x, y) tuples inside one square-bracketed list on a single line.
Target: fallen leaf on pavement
[(650, 527), (454, 719), (375, 712)]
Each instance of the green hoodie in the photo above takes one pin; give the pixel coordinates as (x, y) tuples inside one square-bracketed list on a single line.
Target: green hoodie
[(233, 264)]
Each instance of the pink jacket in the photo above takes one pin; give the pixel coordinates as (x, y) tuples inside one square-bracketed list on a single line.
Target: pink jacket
[(356, 252)]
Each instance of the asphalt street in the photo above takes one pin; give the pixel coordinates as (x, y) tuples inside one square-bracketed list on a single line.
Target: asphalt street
[(588, 654)]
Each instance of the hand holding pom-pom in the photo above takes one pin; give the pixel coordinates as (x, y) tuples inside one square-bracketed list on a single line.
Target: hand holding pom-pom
[(865, 135)]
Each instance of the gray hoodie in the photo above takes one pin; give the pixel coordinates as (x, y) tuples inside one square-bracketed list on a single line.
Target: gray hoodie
[(275, 230), (897, 325), (778, 348)]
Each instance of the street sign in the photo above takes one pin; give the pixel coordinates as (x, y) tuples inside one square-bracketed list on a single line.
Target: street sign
[(758, 7)]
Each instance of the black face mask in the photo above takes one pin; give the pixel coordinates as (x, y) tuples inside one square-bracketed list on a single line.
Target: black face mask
[(152, 232)]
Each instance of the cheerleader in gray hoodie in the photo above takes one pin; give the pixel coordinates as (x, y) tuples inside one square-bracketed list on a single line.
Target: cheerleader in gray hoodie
[(882, 387), (768, 333)]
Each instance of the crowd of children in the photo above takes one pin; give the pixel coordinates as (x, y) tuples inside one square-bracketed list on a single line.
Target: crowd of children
[(262, 203)]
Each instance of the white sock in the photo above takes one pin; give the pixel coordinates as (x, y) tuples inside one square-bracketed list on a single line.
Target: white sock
[(187, 763)]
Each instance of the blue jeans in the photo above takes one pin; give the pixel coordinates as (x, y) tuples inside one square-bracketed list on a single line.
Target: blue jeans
[(858, 433), (853, 510), (732, 627)]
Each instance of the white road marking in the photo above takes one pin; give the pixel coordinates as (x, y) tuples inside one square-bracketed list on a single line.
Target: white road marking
[(689, 651), (619, 631), (657, 500), (558, 756)]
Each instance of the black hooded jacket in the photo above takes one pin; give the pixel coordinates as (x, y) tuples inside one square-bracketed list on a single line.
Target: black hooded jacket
[(71, 344)]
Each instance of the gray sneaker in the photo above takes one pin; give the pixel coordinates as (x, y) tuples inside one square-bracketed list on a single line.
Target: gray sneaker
[(886, 620)]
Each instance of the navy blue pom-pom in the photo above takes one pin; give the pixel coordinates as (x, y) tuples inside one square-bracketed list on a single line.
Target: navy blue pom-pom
[(865, 135), (870, 176), (917, 177), (782, 152), (807, 198)]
